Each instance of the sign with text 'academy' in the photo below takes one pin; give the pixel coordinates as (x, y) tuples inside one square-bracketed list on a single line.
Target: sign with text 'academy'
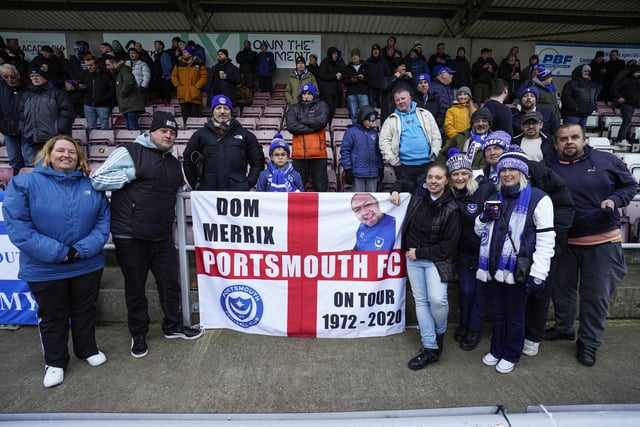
[(286, 264), (17, 304)]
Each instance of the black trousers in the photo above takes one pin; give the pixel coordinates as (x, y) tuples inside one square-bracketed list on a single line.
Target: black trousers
[(537, 307), (58, 301), (316, 169), (136, 258), (190, 109)]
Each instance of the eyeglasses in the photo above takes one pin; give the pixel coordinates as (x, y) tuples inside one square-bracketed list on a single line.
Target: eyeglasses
[(9, 77), (530, 124), (279, 155)]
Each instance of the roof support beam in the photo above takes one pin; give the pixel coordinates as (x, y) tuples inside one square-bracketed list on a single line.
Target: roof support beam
[(192, 10), (465, 17)]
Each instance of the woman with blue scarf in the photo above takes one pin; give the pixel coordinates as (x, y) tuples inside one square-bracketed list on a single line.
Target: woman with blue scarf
[(521, 225), (280, 176)]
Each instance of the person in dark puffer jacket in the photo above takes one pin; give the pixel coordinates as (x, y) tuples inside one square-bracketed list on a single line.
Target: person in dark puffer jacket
[(430, 235)]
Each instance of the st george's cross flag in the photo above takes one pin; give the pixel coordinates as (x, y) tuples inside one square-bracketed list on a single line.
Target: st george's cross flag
[(300, 264)]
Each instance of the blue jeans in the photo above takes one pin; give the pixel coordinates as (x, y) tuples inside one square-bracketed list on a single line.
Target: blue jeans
[(354, 102), (29, 152), (430, 295), (595, 272), (132, 120), (92, 115), (15, 146)]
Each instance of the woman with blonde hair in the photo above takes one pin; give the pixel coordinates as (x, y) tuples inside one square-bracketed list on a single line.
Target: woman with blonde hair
[(60, 224)]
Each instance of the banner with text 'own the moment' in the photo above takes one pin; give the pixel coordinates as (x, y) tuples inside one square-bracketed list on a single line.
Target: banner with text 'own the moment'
[(287, 264)]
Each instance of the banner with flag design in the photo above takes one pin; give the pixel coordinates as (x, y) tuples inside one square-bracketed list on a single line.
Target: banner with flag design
[(300, 264)]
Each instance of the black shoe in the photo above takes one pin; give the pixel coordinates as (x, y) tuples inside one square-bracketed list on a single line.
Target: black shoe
[(470, 341), (440, 342), (552, 334), (460, 332), (426, 356), (585, 354), (139, 347), (185, 333)]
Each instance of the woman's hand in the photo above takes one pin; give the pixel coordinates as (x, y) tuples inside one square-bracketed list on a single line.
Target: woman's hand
[(411, 254)]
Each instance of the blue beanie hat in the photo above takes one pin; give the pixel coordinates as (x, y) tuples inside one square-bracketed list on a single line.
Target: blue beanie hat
[(531, 89), (279, 142), (221, 100), (309, 87), (457, 160), (514, 158), (499, 138), (188, 49), (423, 76)]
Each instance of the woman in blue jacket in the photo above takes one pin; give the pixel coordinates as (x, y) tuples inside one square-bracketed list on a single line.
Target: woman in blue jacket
[(60, 224)]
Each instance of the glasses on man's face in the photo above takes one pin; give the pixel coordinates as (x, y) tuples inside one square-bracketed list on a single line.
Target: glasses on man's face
[(12, 77), (530, 124), (279, 155)]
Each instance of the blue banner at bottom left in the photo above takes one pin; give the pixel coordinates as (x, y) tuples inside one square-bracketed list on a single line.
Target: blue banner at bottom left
[(17, 304)]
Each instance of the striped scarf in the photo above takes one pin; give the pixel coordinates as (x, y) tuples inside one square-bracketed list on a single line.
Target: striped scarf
[(507, 262)]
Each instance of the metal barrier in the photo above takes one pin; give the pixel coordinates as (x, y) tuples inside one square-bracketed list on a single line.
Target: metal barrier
[(183, 248)]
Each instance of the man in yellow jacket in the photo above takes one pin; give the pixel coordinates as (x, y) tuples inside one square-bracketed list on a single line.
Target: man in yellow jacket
[(189, 76)]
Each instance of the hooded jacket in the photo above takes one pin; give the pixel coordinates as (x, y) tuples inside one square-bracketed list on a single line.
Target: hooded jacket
[(81, 221), (359, 150), (307, 121), (100, 91), (628, 88), (189, 79), (45, 111), (329, 85), (295, 82), (578, 95), (127, 92)]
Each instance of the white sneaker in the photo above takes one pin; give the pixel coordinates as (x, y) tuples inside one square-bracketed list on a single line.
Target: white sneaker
[(52, 376), (489, 359), (97, 359), (530, 348), (504, 366), (623, 143)]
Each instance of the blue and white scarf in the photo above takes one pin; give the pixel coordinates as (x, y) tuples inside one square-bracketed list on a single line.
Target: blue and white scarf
[(279, 180), (475, 144), (507, 262)]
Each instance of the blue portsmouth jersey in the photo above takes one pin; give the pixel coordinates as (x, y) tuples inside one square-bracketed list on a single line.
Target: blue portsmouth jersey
[(380, 237)]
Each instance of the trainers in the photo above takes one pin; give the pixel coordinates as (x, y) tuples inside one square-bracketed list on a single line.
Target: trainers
[(490, 360), (97, 359), (139, 347), (585, 354), (504, 366), (530, 348), (52, 376), (426, 356), (185, 332)]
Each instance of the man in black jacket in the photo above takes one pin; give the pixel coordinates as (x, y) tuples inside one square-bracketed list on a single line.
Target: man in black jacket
[(626, 93), (99, 95), (223, 150), (578, 96), (45, 111)]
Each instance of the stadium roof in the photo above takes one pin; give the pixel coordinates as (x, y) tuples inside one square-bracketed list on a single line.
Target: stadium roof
[(587, 21)]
